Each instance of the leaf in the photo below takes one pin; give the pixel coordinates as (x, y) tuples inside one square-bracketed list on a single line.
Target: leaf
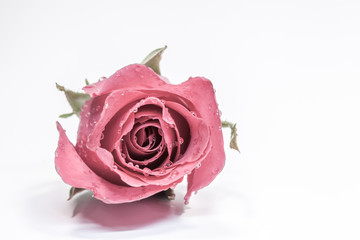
[(153, 59), (66, 115), (233, 136), (73, 191), (86, 82), (75, 99)]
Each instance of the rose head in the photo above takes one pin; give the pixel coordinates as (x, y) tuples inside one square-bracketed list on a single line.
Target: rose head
[(140, 135)]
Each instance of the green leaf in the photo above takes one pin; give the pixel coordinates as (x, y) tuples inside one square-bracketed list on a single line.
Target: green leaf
[(75, 99), (86, 82), (73, 191), (153, 59), (233, 136), (66, 115)]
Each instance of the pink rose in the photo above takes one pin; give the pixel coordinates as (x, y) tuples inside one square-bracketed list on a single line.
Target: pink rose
[(140, 135)]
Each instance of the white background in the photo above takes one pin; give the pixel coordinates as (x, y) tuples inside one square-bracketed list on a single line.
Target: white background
[(286, 71)]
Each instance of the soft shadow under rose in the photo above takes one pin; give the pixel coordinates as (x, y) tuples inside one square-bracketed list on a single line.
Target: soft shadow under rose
[(126, 216)]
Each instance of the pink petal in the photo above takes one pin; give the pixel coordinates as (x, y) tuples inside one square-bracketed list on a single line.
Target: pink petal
[(75, 172), (135, 76)]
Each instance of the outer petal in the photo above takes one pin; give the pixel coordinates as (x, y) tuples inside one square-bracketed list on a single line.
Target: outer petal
[(135, 76), (75, 172), (200, 91)]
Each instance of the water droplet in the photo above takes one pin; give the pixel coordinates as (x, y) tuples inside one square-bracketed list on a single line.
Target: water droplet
[(174, 174), (121, 124), (160, 132), (122, 139), (162, 100), (56, 154), (154, 139), (193, 113), (119, 131), (209, 107), (102, 136), (217, 112), (215, 171), (175, 142), (181, 140), (135, 138), (187, 171), (106, 105), (135, 110), (57, 169), (101, 79), (115, 167), (122, 93), (123, 155), (199, 165), (146, 171), (162, 171), (136, 166), (220, 128), (130, 164), (220, 113), (169, 164)]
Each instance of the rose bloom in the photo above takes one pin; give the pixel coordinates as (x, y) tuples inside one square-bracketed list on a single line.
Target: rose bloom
[(140, 135)]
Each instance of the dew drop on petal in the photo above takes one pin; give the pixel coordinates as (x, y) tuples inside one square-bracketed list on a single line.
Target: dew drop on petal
[(102, 136), (136, 166), (174, 174), (199, 165), (135, 110), (130, 164), (146, 171), (181, 140), (106, 105)]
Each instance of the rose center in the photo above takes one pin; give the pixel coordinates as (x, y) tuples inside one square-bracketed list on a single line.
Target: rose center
[(148, 137)]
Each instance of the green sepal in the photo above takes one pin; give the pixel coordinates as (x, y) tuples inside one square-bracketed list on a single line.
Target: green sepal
[(66, 115), (73, 191), (233, 136), (153, 59), (75, 99)]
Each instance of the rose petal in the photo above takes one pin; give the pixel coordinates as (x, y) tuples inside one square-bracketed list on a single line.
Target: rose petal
[(135, 76), (75, 172)]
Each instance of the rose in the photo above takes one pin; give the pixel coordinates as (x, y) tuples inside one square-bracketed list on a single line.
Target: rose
[(139, 135)]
